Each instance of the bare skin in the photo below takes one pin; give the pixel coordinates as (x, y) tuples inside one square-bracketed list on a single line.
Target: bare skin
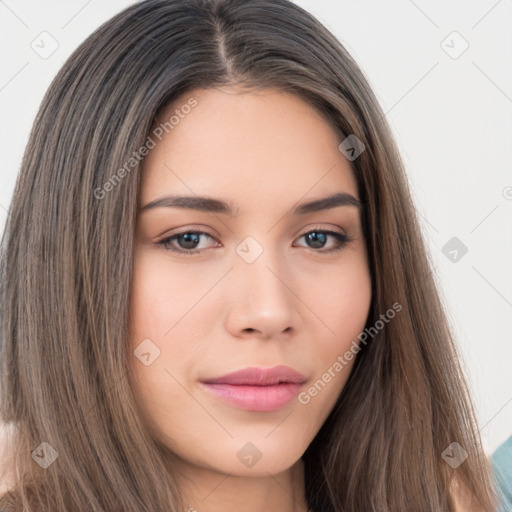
[(213, 312)]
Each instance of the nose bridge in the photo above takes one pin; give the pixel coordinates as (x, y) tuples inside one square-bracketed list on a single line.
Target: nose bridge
[(263, 300), (257, 265)]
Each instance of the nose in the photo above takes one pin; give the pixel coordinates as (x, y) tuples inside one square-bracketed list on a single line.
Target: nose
[(262, 302)]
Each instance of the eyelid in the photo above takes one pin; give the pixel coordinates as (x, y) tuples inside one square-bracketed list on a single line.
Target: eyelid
[(320, 227), (191, 228)]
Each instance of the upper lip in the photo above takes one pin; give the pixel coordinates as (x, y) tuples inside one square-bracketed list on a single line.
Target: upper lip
[(259, 376)]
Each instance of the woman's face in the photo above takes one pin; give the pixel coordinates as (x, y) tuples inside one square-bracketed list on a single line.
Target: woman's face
[(268, 283)]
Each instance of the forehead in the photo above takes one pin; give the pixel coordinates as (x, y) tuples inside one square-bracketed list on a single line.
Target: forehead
[(245, 147)]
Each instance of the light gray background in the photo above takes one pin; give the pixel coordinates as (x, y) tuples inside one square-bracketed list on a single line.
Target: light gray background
[(451, 115)]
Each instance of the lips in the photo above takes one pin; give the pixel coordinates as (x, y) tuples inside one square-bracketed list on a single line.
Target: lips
[(257, 389), (253, 376)]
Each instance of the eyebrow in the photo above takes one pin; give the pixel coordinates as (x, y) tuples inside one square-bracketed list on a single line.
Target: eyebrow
[(211, 205)]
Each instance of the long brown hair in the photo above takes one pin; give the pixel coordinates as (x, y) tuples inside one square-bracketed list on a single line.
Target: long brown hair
[(66, 267)]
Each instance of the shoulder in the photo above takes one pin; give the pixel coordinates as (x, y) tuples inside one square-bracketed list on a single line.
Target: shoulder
[(463, 499), (501, 461), (6, 463)]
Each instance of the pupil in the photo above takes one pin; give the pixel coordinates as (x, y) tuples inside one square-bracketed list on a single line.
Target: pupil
[(317, 238), (192, 238)]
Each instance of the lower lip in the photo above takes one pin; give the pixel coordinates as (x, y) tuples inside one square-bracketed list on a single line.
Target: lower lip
[(256, 398)]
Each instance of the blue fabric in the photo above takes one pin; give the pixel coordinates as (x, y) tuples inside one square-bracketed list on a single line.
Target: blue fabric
[(501, 461)]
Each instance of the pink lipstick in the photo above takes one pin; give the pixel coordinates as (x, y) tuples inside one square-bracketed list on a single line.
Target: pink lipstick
[(257, 389)]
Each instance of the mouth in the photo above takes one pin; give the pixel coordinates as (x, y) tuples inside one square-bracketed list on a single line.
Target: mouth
[(257, 398), (257, 389)]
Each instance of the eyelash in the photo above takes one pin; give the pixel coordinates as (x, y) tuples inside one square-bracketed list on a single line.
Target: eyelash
[(341, 238)]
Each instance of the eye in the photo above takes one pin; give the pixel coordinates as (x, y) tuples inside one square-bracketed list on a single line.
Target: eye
[(187, 241), (317, 238)]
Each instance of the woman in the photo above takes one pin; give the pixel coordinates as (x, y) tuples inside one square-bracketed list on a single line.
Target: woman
[(215, 293)]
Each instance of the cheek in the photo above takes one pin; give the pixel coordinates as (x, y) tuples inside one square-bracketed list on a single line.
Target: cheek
[(162, 296), (152, 315), (170, 325), (342, 298)]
